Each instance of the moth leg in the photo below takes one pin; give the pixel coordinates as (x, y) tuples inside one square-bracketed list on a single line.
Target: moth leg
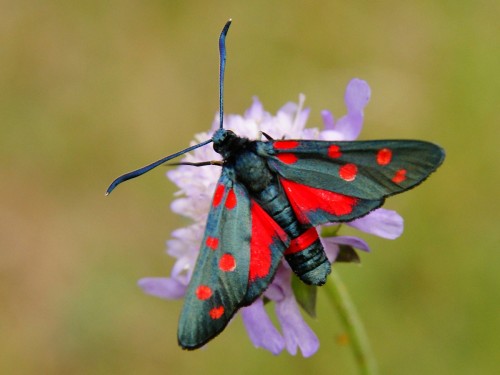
[(267, 136), (200, 164)]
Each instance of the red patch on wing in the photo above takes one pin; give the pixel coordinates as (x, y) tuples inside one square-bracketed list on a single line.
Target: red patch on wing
[(334, 152), (219, 193), (216, 312), (203, 292), (399, 176), (264, 231), (227, 263), (231, 200), (305, 198), (348, 172), (384, 156), (212, 242), (287, 158), (285, 145), (303, 241)]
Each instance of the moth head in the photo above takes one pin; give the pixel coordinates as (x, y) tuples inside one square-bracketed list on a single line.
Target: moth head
[(224, 141)]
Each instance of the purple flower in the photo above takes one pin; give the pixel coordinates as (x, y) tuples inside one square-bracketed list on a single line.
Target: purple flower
[(197, 186)]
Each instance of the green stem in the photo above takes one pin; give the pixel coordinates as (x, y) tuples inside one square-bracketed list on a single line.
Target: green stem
[(337, 293)]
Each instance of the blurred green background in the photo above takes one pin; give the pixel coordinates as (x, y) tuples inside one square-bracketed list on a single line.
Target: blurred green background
[(92, 89)]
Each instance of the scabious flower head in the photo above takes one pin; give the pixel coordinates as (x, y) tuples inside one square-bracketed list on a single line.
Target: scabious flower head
[(197, 186)]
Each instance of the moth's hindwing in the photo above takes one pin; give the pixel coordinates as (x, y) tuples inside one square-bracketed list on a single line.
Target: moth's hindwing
[(319, 206)]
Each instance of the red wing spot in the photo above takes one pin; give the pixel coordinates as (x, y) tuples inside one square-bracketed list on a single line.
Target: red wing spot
[(216, 312), (334, 152), (212, 242), (400, 176), (284, 145), (348, 172), (203, 292), (227, 263), (384, 156), (219, 192), (287, 158), (303, 241), (231, 200)]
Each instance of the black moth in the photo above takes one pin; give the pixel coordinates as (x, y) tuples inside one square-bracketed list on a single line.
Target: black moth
[(270, 197)]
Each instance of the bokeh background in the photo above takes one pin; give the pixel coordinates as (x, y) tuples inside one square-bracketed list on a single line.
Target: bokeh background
[(92, 89)]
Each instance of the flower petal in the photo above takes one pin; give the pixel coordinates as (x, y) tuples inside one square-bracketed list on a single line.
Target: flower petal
[(381, 222), (163, 287), (331, 248), (260, 329), (295, 330), (328, 119), (331, 245), (276, 291), (357, 95), (355, 242), (329, 133), (256, 110), (356, 98)]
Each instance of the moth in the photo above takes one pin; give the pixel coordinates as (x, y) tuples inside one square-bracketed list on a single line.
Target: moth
[(269, 199)]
